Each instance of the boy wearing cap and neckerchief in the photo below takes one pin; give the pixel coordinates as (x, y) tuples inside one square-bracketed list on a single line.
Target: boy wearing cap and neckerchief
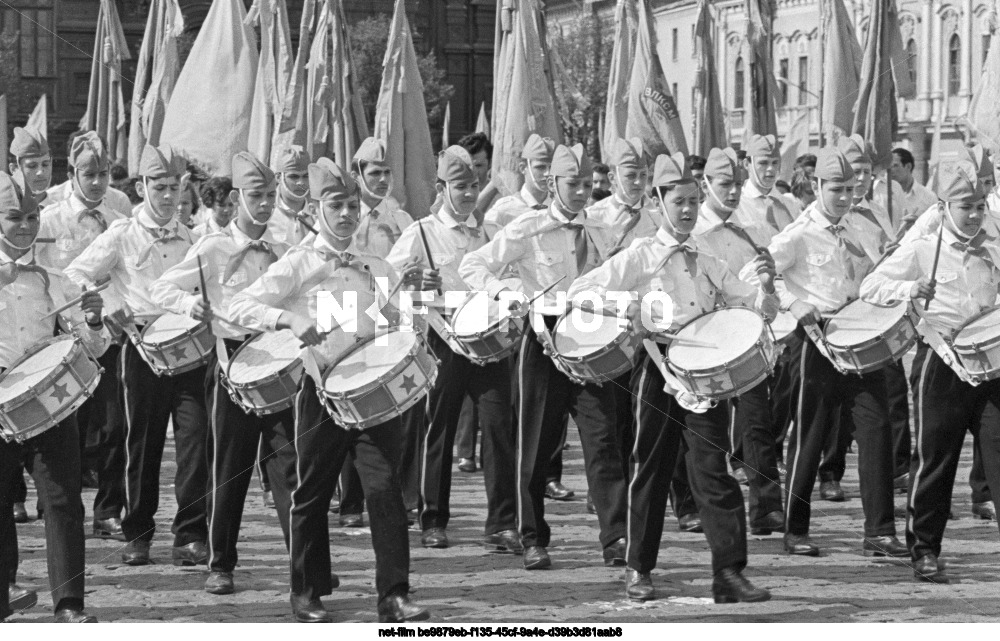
[(29, 291), (32, 166), (536, 159), (381, 223), (822, 262), (761, 205), (671, 262), (547, 245), (231, 260), (753, 432), (627, 212), (90, 181), (134, 252), (452, 233), (946, 403), (292, 207), (285, 297)]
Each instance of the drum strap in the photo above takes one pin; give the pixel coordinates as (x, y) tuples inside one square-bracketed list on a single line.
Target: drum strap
[(939, 345), (671, 385), (814, 333)]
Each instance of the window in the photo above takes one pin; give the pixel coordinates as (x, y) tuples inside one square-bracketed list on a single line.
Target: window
[(911, 60), (783, 82), (674, 44), (986, 45), (803, 80), (34, 20), (954, 65), (738, 81)]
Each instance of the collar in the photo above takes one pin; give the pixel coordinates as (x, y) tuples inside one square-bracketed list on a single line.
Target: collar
[(817, 217), (712, 219), (667, 240), (381, 208), (283, 206), (561, 217), (323, 246), (242, 239), (144, 219), (450, 222), (751, 190), (76, 205), (530, 200), (27, 259)]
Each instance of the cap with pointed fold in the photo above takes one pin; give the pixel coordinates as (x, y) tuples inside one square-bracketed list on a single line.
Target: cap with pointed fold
[(88, 152), (14, 198), (627, 152), (984, 164), (832, 165), (28, 143), (328, 181), (538, 149), (292, 159), (960, 184), (855, 149), (161, 162), (724, 163), (371, 150), (672, 170), (570, 162), (763, 146), (455, 164)]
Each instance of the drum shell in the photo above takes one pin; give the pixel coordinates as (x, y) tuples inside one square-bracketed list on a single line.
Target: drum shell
[(874, 354), (163, 363), (981, 360), (31, 408), (606, 363), (269, 395), (491, 345)]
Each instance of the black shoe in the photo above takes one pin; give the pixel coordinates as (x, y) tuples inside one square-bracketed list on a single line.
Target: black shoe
[(505, 542), (399, 608), (413, 519), (89, 479), (901, 483), (269, 499), (335, 505), (614, 554), (772, 522), (20, 598), (309, 611), (830, 491), (929, 569), (984, 511), (352, 520), (536, 558), (730, 586), (557, 491), (639, 585), (467, 465), (800, 545), (590, 504), (220, 583), (109, 528), (741, 476), (191, 554), (884, 546), (690, 523), (72, 615), (20, 514), (434, 537), (136, 553)]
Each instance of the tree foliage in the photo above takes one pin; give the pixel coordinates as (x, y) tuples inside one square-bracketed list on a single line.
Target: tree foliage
[(584, 51)]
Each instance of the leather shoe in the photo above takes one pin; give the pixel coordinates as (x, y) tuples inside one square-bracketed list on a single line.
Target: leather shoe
[(536, 558), (772, 522), (638, 585), (89, 479), (590, 504), (984, 511), (20, 598), (195, 553), (505, 542), (20, 514), (929, 569), (109, 528), (136, 553), (614, 554), (884, 546), (557, 491), (467, 465), (399, 608), (434, 537), (800, 545), (730, 586), (901, 483), (690, 523), (72, 615), (741, 476), (220, 583), (831, 491), (352, 520), (268, 499), (309, 610)]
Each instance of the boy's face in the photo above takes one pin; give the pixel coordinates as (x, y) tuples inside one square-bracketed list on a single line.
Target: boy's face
[(836, 197), (342, 214), (296, 183), (463, 195), (967, 215), (37, 172), (163, 194), (726, 189), (93, 181), (378, 179), (257, 203), (19, 228), (574, 191), (680, 205), (631, 181)]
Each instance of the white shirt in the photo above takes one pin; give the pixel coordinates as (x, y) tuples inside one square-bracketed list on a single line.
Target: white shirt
[(755, 205), (449, 240), (928, 223), (380, 227), (206, 228), (613, 212), (719, 239), (113, 198), (284, 225), (73, 230), (506, 210), (916, 201)]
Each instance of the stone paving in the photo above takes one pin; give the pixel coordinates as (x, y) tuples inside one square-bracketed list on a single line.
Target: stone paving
[(465, 584)]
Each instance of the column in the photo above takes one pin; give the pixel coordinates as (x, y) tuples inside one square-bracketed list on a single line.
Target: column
[(924, 60), (965, 28)]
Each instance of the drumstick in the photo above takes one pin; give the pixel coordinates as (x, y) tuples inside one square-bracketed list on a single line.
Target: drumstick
[(427, 250), (302, 220), (937, 255), (201, 276), (76, 301), (45, 240), (687, 341), (547, 289)]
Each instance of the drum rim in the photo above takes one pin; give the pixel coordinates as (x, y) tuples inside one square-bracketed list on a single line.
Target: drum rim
[(392, 373), (48, 378), (200, 328), (273, 376), (973, 347), (458, 310), (600, 351), (878, 337), (724, 366)]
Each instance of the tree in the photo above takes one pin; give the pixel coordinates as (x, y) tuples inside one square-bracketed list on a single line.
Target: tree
[(583, 57)]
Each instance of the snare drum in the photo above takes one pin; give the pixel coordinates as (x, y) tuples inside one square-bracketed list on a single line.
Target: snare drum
[(43, 387), (174, 344), (737, 355), (977, 344), (863, 337), (783, 326), (593, 346), (481, 335), (379, 379), (264, 373)]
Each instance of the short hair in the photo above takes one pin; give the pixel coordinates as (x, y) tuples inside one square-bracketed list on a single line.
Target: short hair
[(601, 168), (127, 187), (806, 160), (474, 143), (905, 157), (195, 201), (801, 185), (782, 186), (119, 172), (216, 190), (696, 162)]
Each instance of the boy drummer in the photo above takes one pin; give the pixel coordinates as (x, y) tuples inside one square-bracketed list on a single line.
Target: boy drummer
[(28, 292), (760, 204), (292, 207), (536, 158), (231, 260), (286, 298), (671, 262), (134, 252), (946, 404)]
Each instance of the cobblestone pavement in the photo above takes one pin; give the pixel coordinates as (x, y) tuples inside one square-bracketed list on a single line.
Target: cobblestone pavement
[(463, 583)]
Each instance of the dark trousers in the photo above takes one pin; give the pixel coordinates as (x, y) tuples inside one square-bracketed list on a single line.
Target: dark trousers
[(833, 463), (54, 460), (352, 494), (753, 427), (946, 408), (101, 417), (681, 497), (898, 395), (785, 392), (624, 419), (468, 430), (150, 403), (321, 446), (823, 394), (545, 397), (555, 470), (236, 437), (661, 425), (977, 476), (487, 386)]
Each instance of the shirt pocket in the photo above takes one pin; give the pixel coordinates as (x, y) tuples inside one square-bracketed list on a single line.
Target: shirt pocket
[(67, 244), (818, 260), (946, 277), (549, 266), (443, 258)]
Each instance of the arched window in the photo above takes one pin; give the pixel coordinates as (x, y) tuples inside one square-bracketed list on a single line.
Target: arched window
[(911, 60), (954, 65), (738, 80)]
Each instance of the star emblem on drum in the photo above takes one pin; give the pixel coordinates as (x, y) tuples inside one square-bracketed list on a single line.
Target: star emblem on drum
[(178, 353), (409, 384), (60, 392), (897, 341), (716, 385)]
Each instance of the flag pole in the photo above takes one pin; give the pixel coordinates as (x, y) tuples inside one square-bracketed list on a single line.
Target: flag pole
[(822, 66)]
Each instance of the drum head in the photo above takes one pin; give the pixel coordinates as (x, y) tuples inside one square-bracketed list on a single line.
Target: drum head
[(33, 369), (370, 361), (783, 325), (980, 331), (264, 355), (730, 332), (577, 339), (475, 317), (860, 322), (167, 327)]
